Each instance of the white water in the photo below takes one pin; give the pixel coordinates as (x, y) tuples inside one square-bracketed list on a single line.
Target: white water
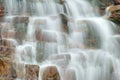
[(89, 52)]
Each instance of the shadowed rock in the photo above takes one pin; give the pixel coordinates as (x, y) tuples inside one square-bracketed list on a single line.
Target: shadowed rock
[(64, 23), (51, 73)]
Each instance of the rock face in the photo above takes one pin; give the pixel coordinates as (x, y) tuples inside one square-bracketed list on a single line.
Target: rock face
[(51, 73)]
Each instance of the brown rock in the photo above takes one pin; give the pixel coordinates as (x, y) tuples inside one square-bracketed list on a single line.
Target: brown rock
[(51, 73), (1, 10), (31, 72), (113, 8), (4, 68)]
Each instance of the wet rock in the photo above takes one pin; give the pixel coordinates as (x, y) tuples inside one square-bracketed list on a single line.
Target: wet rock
[(64, 18), (115, 12), (117, 2), (10, 70), (6, 48), (31, 72), (51, 73), (4, 68), (7, 72), (113, 8), (7, 31)]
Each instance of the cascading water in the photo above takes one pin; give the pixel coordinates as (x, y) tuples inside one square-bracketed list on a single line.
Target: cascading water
[(82, 54)]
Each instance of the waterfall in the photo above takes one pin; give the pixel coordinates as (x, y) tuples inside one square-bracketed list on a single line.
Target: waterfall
[(46, 51)]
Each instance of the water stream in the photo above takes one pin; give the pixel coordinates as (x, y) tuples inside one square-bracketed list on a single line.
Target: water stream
[(89, 51)]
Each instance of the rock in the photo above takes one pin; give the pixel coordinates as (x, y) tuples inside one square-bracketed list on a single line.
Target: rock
[(16, 19), (51, 73), (31, 72), (113, 8), (4, 68), (64, 18), (1, 10), (117, 2), (6, 48), (113, 12), (11, 71), (7, 31)]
